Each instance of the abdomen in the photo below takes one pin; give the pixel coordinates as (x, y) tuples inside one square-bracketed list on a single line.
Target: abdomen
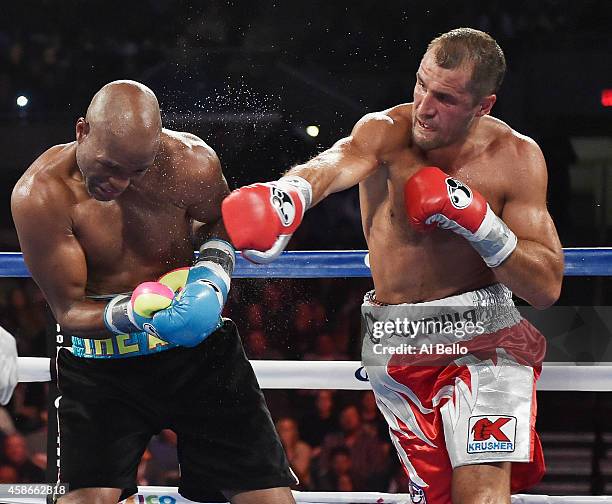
[(424, 267)]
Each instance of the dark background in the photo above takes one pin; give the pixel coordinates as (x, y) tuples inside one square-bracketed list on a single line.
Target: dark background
[(249, 76)]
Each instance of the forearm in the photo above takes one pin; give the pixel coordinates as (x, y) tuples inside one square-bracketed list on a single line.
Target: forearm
[(84, 319), (533, 272), (208, 231), (331, 171), (320, 176)]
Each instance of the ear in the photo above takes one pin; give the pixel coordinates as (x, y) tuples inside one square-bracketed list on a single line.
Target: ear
[(82, 129), (485, 105)]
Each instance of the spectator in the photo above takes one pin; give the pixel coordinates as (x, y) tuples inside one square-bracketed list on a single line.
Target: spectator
[(320, 420), (163, 452), (255, 317), (28, 399), (308, 321), (16, 455), (8, 474), (275, 297), (368, 455), (37, 442), (7, 427), (371, 418), (258, 347), (25, 321), (325, 349), (399, 482), (298, 452), (148, 470), (340, 476)]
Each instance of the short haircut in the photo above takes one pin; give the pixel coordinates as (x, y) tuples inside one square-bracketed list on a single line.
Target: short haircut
[(467, 46)]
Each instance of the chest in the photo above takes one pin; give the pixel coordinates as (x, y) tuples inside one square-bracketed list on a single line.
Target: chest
[(382, 194), (115, 234)]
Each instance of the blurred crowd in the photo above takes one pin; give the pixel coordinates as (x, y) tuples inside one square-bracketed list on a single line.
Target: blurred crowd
[(189, 46)]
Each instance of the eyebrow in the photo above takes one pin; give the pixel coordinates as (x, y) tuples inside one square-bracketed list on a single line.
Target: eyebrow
[(439, 94), (445, 95)]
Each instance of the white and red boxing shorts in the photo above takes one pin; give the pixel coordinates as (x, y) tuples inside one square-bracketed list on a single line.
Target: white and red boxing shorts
[(455, 380)]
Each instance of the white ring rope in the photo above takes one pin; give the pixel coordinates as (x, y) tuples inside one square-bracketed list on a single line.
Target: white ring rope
[(349, 375), (170, 495)]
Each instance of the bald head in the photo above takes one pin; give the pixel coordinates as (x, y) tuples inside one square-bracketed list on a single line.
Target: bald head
[(124, 109), (119, 137)]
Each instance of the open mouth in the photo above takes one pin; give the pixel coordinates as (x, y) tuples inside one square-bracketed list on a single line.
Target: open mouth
[(106, 193), (424, 126)]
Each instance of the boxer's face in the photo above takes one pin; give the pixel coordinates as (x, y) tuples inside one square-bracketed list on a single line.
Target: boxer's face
[(444, 108), (108, 164)]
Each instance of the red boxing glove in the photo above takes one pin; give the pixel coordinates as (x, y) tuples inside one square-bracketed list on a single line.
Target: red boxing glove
[(261, 218), (433, 198)]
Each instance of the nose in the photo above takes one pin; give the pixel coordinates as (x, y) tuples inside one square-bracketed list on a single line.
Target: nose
[(119, 184), (427, 106)]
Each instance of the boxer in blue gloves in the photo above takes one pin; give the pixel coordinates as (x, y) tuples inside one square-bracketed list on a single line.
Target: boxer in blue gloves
[(99, 219)]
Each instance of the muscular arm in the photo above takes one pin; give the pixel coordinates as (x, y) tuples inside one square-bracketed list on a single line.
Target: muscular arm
[(206, 189), (54, 256), (350, 160), (534, 271)]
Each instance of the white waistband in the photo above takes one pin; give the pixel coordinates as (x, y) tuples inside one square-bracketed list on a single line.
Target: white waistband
[(492, 295)]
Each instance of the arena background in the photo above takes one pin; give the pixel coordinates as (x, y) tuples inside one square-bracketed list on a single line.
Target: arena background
[(249, 78)]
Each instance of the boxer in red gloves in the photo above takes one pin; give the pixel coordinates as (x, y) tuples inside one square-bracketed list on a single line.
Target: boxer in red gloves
[(453, 206)]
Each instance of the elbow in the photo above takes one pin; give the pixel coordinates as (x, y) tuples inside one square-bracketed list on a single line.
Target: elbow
[(547, 296), (550, 290), (541, 302), (65, 321)]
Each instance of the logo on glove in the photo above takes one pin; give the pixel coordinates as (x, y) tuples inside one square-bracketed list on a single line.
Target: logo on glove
[(283, 205), (417, 494), (459, 194)]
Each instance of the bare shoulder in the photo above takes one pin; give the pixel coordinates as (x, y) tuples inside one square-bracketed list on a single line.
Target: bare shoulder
[(44, 186), (508, 140), (186, 150), (518, 155), (386, 130), (190, 168)]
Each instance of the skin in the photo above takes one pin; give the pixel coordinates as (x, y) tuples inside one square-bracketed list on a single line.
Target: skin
[(446, 126), (298, 452), (386, 148), (123, 204)]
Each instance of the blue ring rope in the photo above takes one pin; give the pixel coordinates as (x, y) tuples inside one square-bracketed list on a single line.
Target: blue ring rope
[(344, 263)]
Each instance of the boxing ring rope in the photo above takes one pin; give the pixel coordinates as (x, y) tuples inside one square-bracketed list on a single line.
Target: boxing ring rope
[(349, 375), (345, 263)]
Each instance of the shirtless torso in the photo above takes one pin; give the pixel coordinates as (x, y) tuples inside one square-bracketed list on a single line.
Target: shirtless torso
[(448, 129), (124, 204), (77, 246), (410, 266)]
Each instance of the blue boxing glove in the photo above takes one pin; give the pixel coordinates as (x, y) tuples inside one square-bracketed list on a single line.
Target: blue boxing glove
[(194, 311)]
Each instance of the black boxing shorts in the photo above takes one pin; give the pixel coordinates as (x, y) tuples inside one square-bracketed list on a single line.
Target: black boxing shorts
[(110, 408)]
